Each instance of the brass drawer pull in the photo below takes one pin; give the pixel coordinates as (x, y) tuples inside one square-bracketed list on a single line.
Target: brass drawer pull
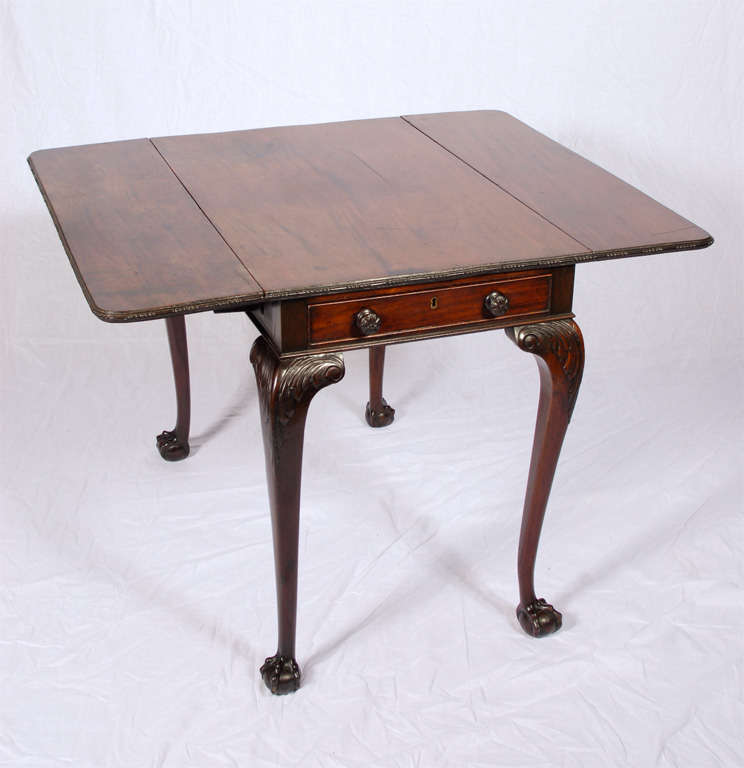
[(496, 304), (367, 321)]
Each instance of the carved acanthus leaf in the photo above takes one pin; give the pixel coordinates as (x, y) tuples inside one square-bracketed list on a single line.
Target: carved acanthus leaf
[(301, 377), (560, 338), (286, 383)]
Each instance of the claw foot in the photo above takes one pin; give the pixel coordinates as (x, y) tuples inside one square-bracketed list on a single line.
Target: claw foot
[(171, 449), (381, 417), (281, 674), (539, 618)]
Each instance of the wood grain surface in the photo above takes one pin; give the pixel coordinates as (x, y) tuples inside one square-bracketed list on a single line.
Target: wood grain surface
[(212, 221), (596, 208), (138, 243), (354, 203), (417, 310)]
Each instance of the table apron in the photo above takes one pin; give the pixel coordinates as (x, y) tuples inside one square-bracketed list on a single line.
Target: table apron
[(362, 319)]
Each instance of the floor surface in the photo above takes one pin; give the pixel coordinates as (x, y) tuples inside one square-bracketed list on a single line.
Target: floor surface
[(138, 596)]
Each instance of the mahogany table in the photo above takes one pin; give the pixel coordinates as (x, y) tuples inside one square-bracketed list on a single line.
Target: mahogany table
[(346, 235)]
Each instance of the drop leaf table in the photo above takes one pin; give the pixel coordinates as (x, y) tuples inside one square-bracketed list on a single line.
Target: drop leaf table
[(347, 235)]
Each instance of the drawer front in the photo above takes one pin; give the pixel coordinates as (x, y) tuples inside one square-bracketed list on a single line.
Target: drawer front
[(428, 309)]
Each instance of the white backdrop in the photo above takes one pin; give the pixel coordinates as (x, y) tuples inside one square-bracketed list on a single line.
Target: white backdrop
[(136, 597)]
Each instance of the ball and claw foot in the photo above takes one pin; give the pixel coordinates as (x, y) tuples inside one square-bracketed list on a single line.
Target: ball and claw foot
[(539, 618), (381, 417), (281, 674), (170, 448)]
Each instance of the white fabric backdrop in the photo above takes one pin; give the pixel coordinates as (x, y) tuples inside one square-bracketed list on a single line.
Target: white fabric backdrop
[(137, 598)]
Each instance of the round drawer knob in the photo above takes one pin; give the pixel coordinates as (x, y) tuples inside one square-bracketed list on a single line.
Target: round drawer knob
[(367, 321), (496, 304)]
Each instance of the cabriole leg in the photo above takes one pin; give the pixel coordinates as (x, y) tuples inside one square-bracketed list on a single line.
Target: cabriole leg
[(285, 388), (559, 350), (378, 413), (174, 444)]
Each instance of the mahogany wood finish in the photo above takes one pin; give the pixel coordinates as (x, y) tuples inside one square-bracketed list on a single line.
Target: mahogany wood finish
[(606, 215), (174, 444), (138, 243), (558, 348), (414, 311), (378, 413), (421, 309), (353, 235), (314, 208), (285, 389), (191, 223)]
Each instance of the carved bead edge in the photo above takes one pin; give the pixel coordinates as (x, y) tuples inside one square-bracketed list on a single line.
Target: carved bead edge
[(561, 338)]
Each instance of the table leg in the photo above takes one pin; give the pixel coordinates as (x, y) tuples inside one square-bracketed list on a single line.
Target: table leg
[(174, 444), (378, 413), (559, 350), (285, 388)]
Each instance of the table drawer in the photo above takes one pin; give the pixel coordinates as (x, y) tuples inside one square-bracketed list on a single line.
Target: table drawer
[(422, 309)]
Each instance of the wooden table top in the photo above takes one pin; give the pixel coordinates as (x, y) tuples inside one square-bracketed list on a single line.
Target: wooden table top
[(180, 224)]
